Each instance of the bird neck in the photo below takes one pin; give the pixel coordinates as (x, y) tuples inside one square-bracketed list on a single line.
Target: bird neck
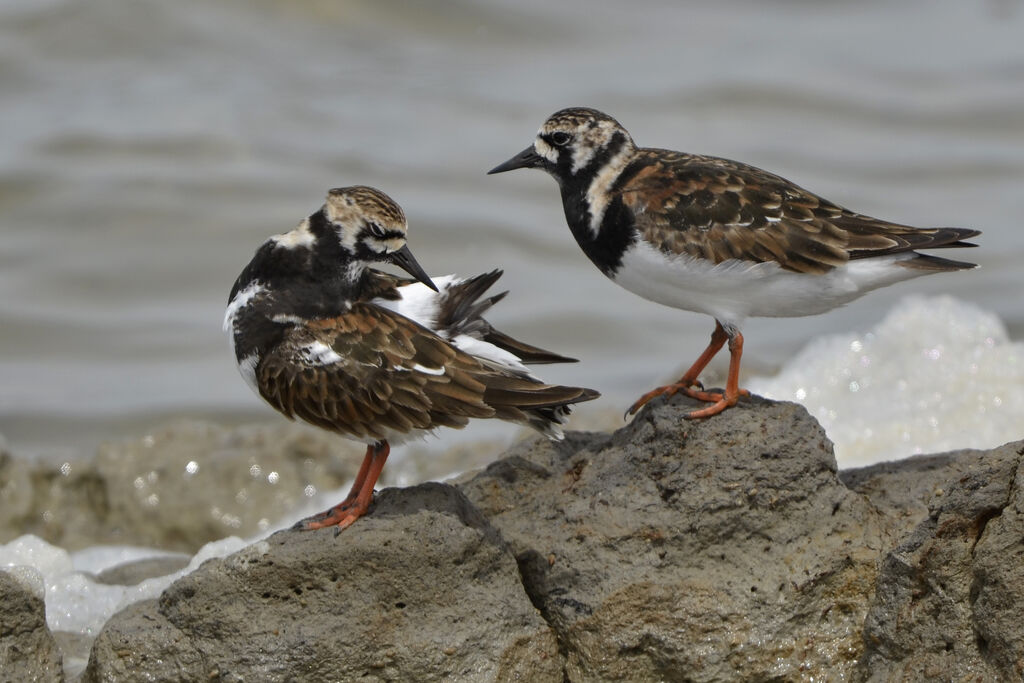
[(596, 215), (333, 263)]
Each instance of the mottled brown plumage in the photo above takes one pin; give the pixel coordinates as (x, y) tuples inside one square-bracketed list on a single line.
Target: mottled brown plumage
[(393, 376), (326, 339), (717, 236), (717, 209)]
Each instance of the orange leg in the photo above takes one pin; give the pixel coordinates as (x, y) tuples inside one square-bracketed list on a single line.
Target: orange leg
[(732, 389), (358, 499), (689, 379)]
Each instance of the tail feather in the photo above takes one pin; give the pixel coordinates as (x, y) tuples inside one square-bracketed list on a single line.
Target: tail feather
[(544, 407), (539, 396), (462, 312), (869, 237), (531, 355), (461, 308), (935, 263), (511, 393)]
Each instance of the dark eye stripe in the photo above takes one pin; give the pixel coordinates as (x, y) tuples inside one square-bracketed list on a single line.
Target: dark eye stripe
[(382, 234)]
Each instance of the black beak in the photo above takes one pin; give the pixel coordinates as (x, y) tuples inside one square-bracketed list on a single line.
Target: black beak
[(404, 259), (528, 158)]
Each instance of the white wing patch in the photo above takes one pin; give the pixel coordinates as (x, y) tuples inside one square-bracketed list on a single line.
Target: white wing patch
[(238, 303), (247, 368), (420, 303), (490, 352), (318, 353)]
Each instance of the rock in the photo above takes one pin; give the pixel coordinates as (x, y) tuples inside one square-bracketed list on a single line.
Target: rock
[(905, 490), (423, 589), (708, 550), (712, 550), (950, 598), (177, 489), (27, 649)]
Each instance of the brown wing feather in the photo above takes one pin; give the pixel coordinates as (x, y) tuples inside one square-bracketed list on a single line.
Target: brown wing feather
[(873, 237), (391, 373), (717, 209), (387, 376)]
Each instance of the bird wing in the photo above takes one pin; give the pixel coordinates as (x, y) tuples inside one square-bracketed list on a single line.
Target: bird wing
[(718, 209), (462, 312), (371, 371)]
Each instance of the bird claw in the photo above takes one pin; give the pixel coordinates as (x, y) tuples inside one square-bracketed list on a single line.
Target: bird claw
[(669, 390), (341, 516), (695, 390)]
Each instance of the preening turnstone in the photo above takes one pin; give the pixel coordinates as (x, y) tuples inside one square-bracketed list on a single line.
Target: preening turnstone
[(381, 359), (717, 236)]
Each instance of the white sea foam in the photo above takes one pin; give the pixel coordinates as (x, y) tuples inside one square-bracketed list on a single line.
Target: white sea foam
[(936, 374), (76, 602)]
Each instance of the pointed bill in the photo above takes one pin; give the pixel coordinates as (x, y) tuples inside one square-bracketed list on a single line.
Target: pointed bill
[(528, 158), (404, 259)]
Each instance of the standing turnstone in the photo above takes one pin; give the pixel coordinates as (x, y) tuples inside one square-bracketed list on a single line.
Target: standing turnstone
[(379, 359), (717, 236)]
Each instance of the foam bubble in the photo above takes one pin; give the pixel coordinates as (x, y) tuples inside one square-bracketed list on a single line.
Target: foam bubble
[(75, 601), (936, 374)]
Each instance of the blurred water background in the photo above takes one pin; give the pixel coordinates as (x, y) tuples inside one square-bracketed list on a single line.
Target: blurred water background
[(147, 148)]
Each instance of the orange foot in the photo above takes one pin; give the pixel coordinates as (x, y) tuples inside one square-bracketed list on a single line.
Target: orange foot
[(357, 502), (341, 516), (687, 382), (720, 401), (683, 386)]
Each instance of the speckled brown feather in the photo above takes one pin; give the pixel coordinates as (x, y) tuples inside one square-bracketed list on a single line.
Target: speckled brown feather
[(383, 380), (717, 209)]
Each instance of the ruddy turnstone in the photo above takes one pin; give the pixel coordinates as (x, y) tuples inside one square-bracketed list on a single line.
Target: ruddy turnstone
[(716, 236), (323, 337)]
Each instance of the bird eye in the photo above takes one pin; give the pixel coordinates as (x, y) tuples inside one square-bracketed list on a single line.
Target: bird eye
[(560, 138), (376, 230)]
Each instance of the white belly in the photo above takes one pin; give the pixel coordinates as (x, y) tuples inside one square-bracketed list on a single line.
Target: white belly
[(734, 290)]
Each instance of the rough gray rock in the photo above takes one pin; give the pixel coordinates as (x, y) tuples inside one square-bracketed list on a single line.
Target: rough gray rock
[(710, 550), (421, 589), (27, 649), (713, 550), (905, 490), (144, 492), (949, 603)]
